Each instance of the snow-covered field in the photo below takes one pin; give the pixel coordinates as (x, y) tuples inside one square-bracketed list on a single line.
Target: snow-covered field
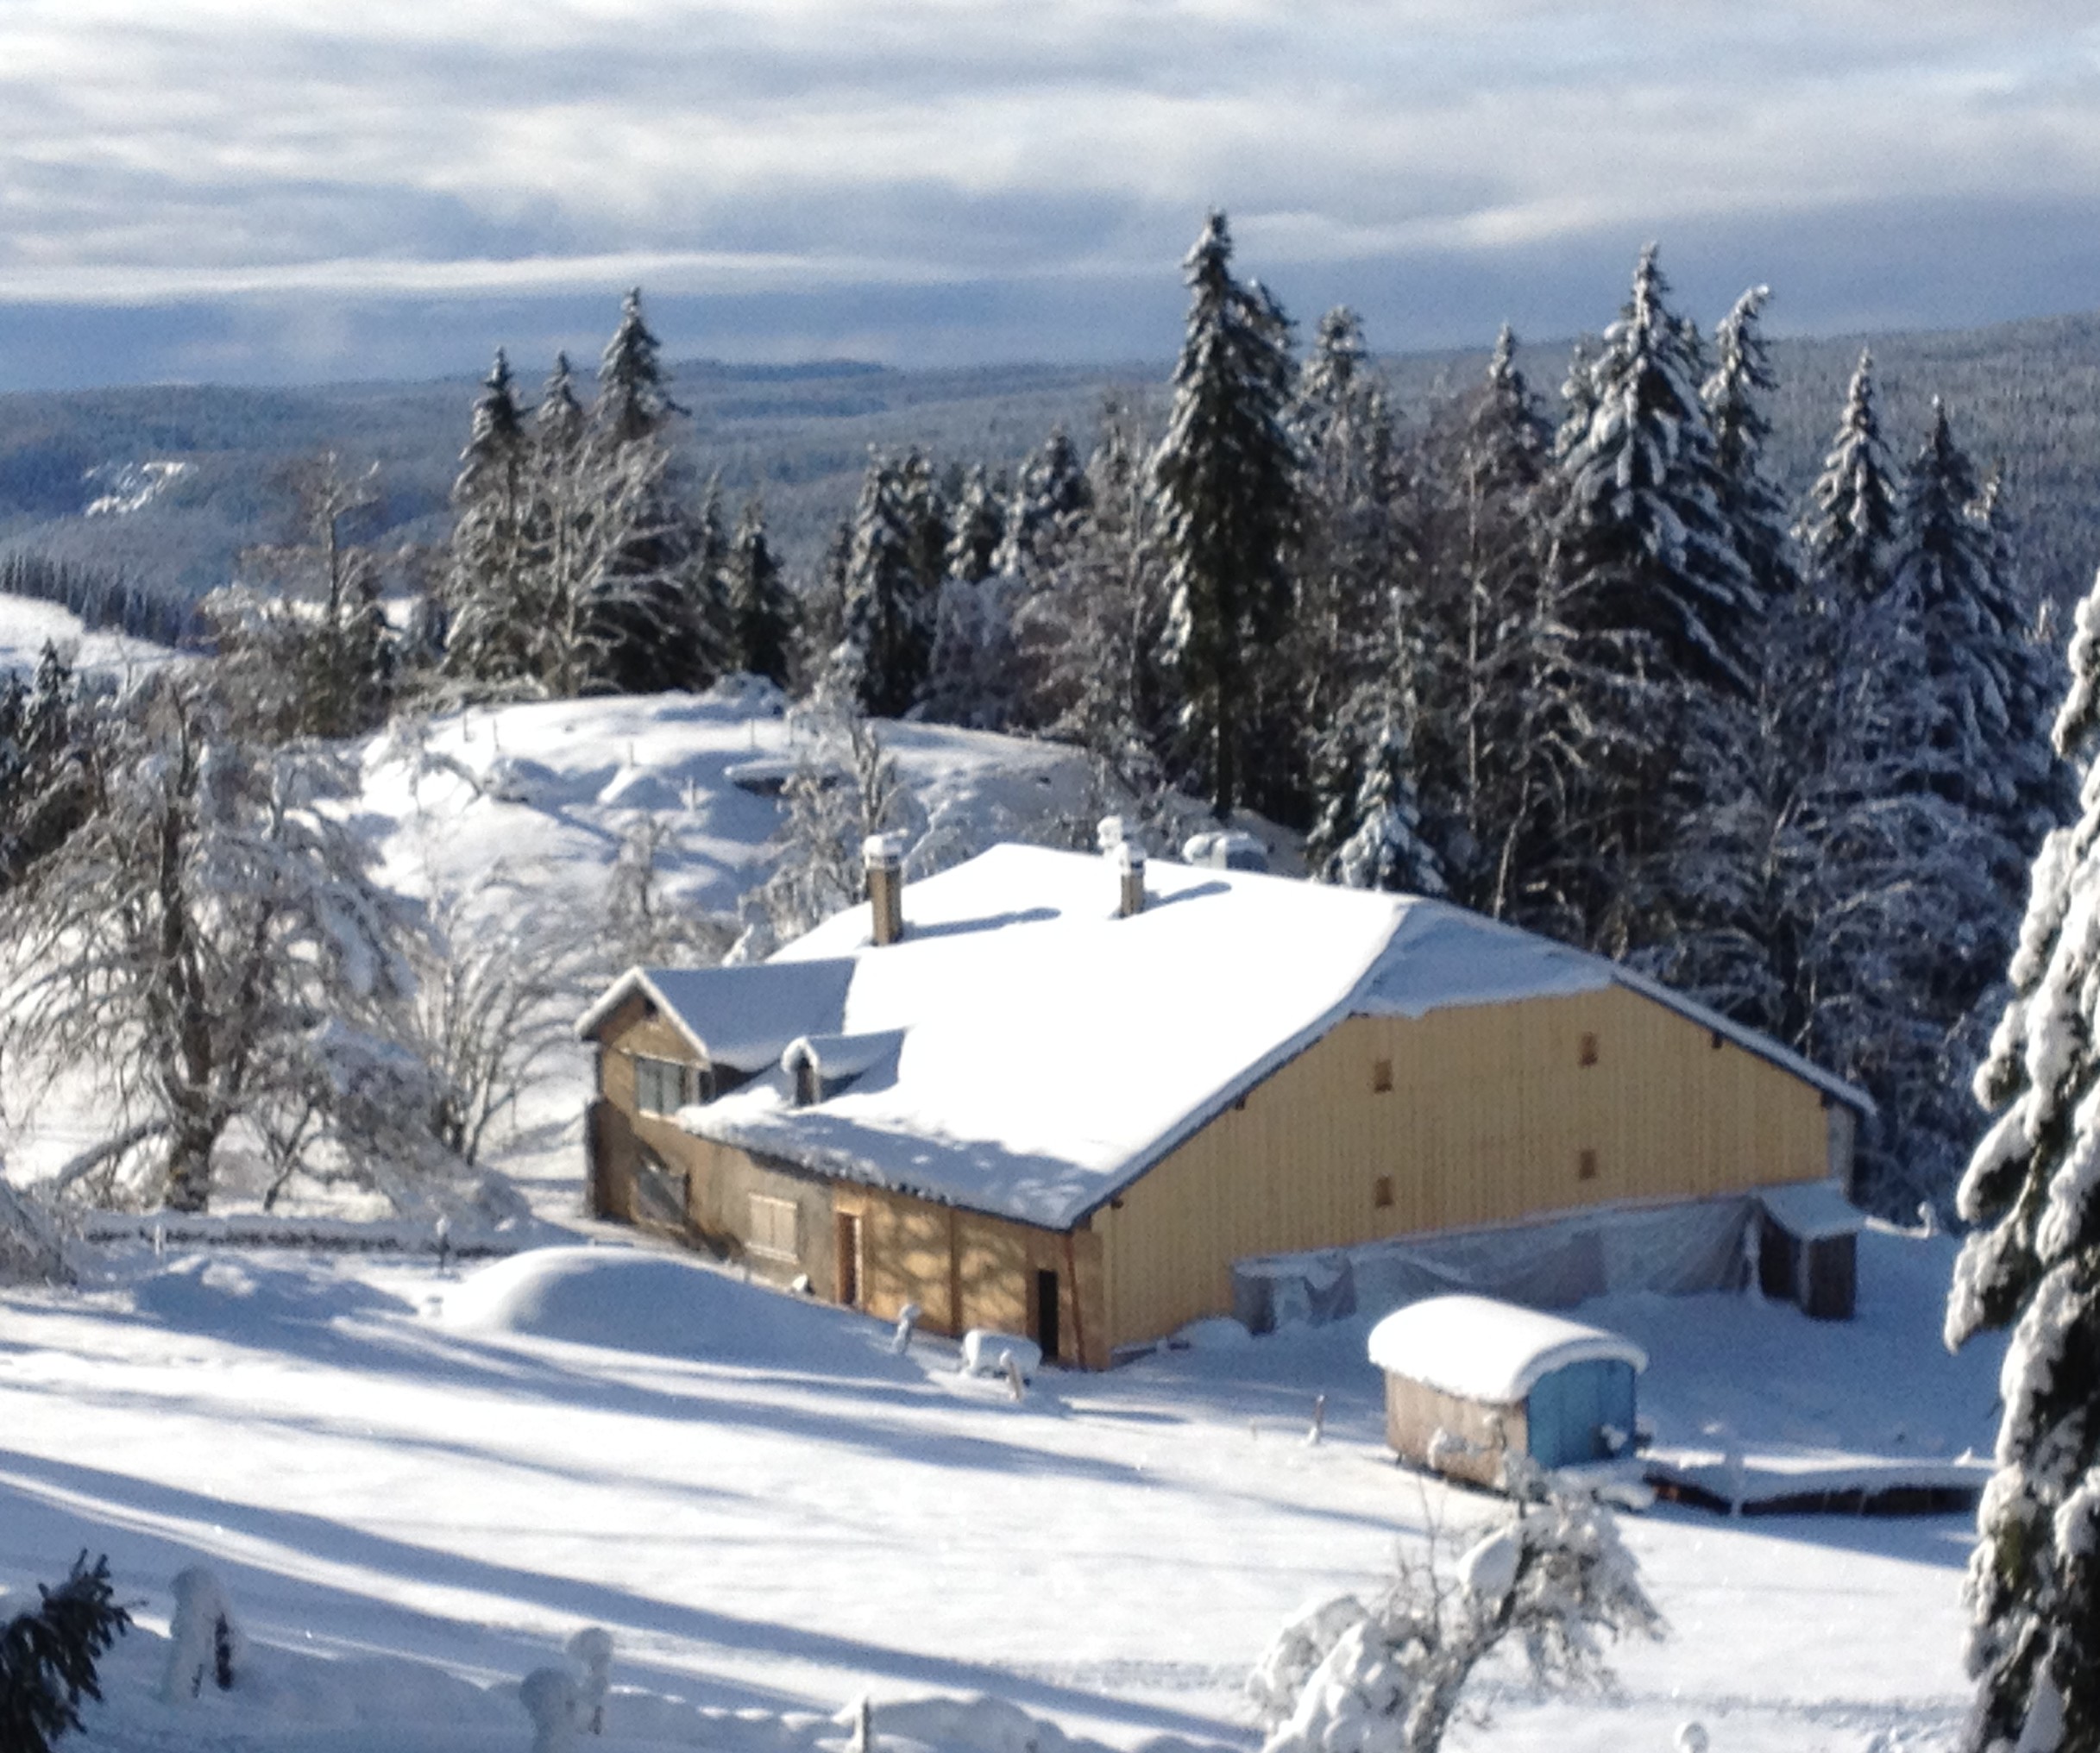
[(772, 1513), (417, 1485)]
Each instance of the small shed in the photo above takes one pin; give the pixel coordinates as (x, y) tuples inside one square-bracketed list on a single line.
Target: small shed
[(1808, 1248), (1469, 1379)]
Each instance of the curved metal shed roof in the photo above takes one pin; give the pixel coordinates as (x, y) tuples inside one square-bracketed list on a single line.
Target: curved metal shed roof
[(1479, 1349)]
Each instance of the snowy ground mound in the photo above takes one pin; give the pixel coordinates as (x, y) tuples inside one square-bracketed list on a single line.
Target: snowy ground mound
[(626, 1299)]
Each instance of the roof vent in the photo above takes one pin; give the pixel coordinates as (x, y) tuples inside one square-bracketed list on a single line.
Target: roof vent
[(884, 855), (1130, 866), (1230, 849)]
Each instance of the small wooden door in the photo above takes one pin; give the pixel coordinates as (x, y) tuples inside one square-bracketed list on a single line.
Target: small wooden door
[(849, 1258), (1046, 1314)]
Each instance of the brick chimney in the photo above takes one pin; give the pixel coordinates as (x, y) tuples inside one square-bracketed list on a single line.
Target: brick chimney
[(884, 855), (1130, 866)]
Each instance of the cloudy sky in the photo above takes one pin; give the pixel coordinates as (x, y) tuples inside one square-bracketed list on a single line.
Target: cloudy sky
[(287, 189)]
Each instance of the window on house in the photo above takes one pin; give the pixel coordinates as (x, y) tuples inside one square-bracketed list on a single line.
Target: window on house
[(774, 1233), (663, 1086), (1381, 1192), (1382, 1075), (1589, 1049), (1586, 1166)]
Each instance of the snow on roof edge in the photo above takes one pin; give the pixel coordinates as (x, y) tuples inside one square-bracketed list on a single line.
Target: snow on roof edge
[(636, 979)]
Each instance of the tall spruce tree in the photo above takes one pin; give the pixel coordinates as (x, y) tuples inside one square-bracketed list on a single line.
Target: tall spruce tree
[(1848, 532), (889, 606), (644, 623), (1736, 893), (1352, 630), (979, 528), (1226, 475), (1659, 608), (1051, 497), (488, 577), (2032, 1263), (761, 608)]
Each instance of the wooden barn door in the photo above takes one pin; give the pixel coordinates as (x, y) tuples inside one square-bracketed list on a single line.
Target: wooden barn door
[(849, 1269), (1046, 1314)]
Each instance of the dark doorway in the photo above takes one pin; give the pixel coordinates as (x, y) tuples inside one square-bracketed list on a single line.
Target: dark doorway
[(849, 1260), (1046, 1314)]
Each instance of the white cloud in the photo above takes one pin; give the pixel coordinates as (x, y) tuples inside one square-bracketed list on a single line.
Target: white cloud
[(225, 147)]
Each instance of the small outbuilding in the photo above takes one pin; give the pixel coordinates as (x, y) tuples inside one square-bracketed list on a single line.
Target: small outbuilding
[(1469, 1379)]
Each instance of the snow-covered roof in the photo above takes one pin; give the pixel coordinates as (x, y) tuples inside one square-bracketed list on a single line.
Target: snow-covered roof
[(1495, 1353), (1814, 1210), (1048, 1053), (744, 1017)]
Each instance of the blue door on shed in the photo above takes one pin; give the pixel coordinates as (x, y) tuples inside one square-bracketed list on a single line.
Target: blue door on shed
[(1568, 1409)]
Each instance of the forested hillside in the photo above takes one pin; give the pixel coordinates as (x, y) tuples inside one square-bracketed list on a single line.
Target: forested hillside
[(1729, 658), (2027, 392)]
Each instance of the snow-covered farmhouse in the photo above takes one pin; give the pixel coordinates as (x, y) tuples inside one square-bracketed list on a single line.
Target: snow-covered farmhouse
[(1074, 1097)]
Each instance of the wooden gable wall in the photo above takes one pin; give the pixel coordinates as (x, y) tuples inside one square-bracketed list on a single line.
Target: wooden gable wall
[(1491, 1115)]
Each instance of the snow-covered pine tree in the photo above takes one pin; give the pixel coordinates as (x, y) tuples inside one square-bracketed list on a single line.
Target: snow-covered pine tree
[(1736, 880), (888, 608), (1351, 624), (2032, 1263), (1384, 848), (633, 403), (979, 528), (48, 1657), (761, 608), (1226, 475), (1848, 530), (1749, 499), (1052, 495), (1989, 672), (643, 627), (926, 517), (52, 772), (488, 576), (705, 574), (1659, 609)]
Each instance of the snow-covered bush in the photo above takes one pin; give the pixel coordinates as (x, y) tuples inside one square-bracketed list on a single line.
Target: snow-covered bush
[(549, 1695), (47, 1657), (1343, 1677), (203, 1641), (32, 1251)]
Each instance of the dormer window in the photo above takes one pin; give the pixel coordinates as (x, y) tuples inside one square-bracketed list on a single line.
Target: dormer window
[(663, 1086)]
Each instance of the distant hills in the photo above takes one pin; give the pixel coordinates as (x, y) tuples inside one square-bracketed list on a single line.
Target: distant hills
[(2027, 392)]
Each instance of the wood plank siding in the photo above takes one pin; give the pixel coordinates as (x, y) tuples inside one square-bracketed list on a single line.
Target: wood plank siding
[(962, 1268), (1492, 1113)]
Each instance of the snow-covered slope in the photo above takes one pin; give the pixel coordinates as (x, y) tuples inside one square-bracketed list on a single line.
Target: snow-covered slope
[(26, 624), (396, 1471)]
